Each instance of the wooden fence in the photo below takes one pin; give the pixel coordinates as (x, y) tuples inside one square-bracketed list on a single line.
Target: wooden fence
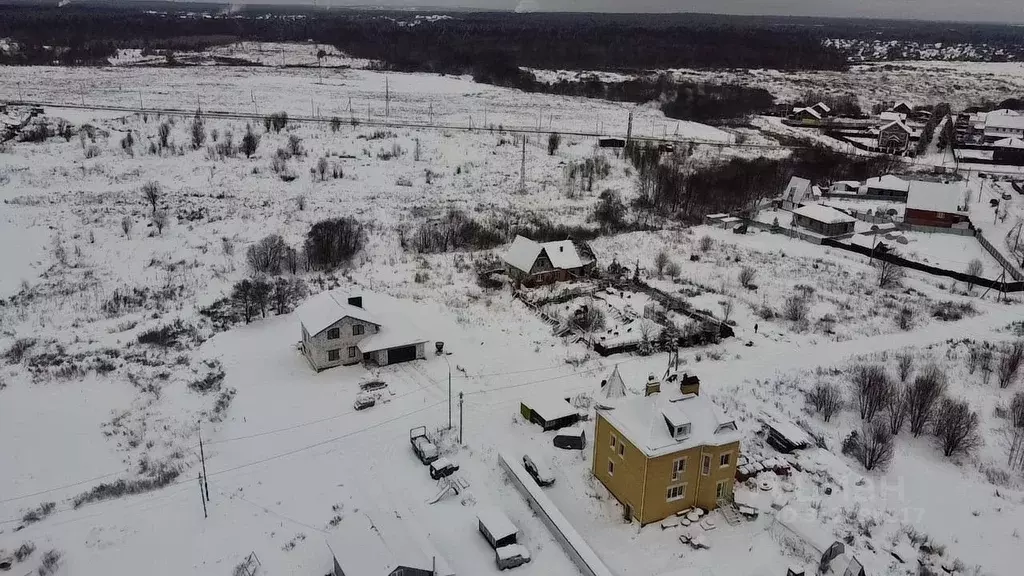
[(1011, 268)]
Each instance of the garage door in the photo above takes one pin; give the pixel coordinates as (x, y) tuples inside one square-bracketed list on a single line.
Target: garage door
[(402, 354)]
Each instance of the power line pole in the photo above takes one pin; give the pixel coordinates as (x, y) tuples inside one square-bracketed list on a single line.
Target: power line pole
[(629, 129), (387, 97), (449, 395), (431, 112), (200, 478), (522, 169), (460, 417), (202, 456)]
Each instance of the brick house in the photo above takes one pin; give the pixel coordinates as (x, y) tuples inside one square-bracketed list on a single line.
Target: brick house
[(339, 331)]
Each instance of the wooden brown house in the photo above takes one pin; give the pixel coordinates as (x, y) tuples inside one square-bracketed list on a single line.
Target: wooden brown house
[(530, 263)]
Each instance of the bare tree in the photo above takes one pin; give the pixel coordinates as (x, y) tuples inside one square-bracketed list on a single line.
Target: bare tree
[(826, 399), (706, 243), (974, 268), (923, 397), (242, 295), (1010, 358), (889, 273), (295, 145), (126, 226), (876, 445), (1015, 449), (871, 389), (660, 261), (198, 131), (747, 275), (1017, 410), (904, 366), (151, 194), (795, 308), (896, 408), (321, 168), (267, 255), (160, 220), (250, 142), (957, 427), (727, 308), (164, 135), (286, 293), (554, 139), (673, 269)]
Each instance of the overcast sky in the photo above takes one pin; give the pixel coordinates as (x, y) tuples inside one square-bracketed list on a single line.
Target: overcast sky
[(1004, 11)]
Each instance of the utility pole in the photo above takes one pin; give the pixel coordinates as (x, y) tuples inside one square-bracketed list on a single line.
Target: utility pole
[(460, 417), (629, 129), (387, 97), (449, 394), (140, 100), (431, 113), (255, 106), (522, 169), (202, 456), (199, 477)]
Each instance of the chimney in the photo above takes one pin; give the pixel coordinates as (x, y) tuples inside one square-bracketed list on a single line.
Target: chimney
[(356, 301), (561, 248), (653, 385), (689, 385)]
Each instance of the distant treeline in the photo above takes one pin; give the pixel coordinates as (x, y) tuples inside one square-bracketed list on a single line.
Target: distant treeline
[(87, 34)]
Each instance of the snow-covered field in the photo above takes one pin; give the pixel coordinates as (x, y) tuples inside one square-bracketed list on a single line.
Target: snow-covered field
[(84, 402)]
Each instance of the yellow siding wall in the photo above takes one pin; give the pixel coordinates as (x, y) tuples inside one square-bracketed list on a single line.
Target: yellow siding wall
[(626, 483)]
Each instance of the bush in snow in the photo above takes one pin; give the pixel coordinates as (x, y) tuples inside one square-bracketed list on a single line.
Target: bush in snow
[(198, 131), (923, 397), (660, 261), (1016, 414), (871, 389), (295, 145), (1010, 358), (39, 512), (158, 477), (17, 352), (176, 333), (904, 366), (896, 408), (826, 399), (333, 242), (974, 268), (164, 135), (92, 151), (706, 243), (250, 142), (276, 121), (873, 447), (887, 273), (673, 269), (554, 139), (128, 144), (746, 276), (335, 124), (905, 318), (952, 311), (151, 194), (49, 564), (956, 427), (160, 220), (610, 211), (795, 308), (24, 551)]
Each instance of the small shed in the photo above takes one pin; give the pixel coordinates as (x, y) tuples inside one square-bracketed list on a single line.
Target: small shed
[(549, 413), (823, 220), (785, 436), (571, 439), (611, 143), (496, 527)]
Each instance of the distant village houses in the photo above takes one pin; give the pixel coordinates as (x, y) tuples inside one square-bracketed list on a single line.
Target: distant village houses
[(337, 330), (887, 186), (894, 137), (823, 220), (530, 263)]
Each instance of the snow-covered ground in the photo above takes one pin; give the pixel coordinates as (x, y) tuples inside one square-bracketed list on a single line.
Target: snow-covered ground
[(83, 401)]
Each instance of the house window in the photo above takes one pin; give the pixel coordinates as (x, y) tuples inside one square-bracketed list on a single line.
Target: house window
[(724, 459), (678, 468), (611, 468), (334, 333), (352, 351), (705, 465), (357, 329), (722, 489), (682, 431), (613, 442), (674, 493), (333, 355), (622, 449)]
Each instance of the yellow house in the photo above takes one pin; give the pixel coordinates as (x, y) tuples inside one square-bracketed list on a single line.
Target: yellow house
[(666, 452)]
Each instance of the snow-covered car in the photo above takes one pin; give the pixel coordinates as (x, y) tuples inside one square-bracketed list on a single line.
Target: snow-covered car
[(540, 472), (424, 448), (364, 401), (372, 385), (511, 556), (443, 467)]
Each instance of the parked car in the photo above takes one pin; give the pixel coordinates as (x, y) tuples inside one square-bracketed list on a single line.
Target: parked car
[(511, 556), (372, 385), (364, 401), (541, 474), (424, 448), (442, 467)]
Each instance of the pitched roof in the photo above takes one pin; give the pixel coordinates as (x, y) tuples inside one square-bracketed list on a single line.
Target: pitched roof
[(888, 182), (796, 189), (936, 197), (810, 111), (898, 124), (614, 387), (326, 308), (563, 254), (892, 116), (1012, 122), (822, 106), (1009, 143), (550, 407), (380, 546), (824, 214), (641, 419)]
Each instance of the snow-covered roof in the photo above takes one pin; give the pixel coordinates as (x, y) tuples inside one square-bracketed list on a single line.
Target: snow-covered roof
[(898, 124), (550, 407), (511, 551), (641, 419), (1009, 143), (572, 432), (824, 214), (495, 521), (796, 189), (1004, 121), (822, 106), (614, 387), (523, 253), (390, 337), (888, 182), (892, 116), (326, 308), (362, 546), (936, 197), (810, 111), (791, 432)]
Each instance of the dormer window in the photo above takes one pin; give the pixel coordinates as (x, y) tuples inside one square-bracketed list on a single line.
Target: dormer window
[(725, 427), (682, 431)]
